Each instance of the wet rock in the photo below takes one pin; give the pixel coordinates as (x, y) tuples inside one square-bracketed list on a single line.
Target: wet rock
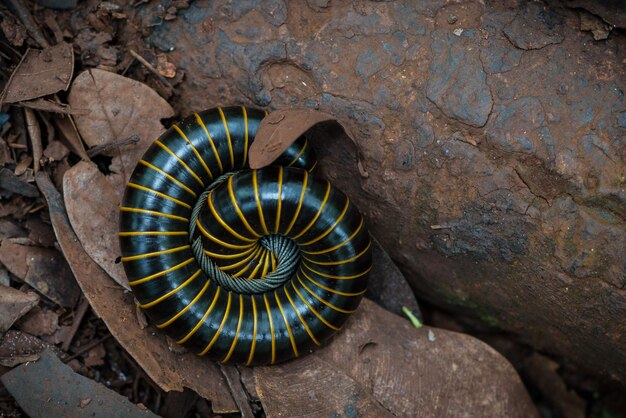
[(534, 27), (509, 207), (457, 83)]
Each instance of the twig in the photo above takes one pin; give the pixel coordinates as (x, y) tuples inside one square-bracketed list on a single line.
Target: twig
[(236, 389), (99, 149), (29, 23), (88, 347), (153, 70), (8, 84), (78, 318), (34, 133)]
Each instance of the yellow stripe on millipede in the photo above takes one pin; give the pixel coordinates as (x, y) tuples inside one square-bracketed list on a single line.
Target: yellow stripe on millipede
[(206, 131), (146, 255), (306, 327), (161, 273), (186, 308), (171, 292), (324, 301), (245, 145), (327, 250), (253, 346), (241, 262), (219, 330), (204, 317), (184, 164), (269, 315), (255, 186), (233, 199), (163, 195), (219, 241), (154, 212), (295, 216), (317, 215), (280, 194), (331, 276), (299, 154), (232, 347), (227, 227), (331, 290), (320, 317), (228, 256), (282, 312), (172, 178), (230, 142), (339, 262), (333, 226), (194, 150)]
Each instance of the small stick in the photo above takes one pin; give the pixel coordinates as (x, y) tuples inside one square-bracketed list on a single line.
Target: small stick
[(34, 132), (99, 149), (151, 69), (27, 19), (88, 347), (80, 313)]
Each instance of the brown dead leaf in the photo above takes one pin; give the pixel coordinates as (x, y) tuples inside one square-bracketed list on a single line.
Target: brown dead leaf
[(13, 305), (40, 73), (116, 307), (120, 107), (379, 365), (92, 206), (39, 322), (69, 134), (281, 128), (51, 106), (44, 269)]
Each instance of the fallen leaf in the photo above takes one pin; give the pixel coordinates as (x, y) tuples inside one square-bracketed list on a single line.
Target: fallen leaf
[(39, 322), (44, 269), (67, 129), (56, 151), (279, 130), (71, 395), (40, 73), (18, 347), (92, 206), (13, 305), (51, 106), (9, 182), (119, 108), (379, 365), (116, 307)]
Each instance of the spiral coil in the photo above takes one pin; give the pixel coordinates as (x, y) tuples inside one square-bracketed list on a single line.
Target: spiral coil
[(247, 266)]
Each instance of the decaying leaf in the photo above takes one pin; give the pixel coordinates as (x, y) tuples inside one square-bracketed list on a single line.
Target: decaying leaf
[(379, 365), (69, 134), (71, 395), (119, 108), (117, 309), (93, 209), (40, 73), (281, 128), (13, 305)]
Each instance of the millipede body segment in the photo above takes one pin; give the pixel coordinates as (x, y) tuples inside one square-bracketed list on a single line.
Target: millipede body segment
[(244, 266)]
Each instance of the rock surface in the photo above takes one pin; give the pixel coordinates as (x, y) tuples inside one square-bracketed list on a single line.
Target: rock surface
[(495, 150)]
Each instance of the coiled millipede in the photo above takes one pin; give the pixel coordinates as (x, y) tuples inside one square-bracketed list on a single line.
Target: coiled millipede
[(244, 266)]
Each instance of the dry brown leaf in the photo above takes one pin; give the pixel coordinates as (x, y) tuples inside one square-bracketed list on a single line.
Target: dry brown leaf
[(379, 365), (13, 305), (92, 205), (68, 131), (281, 128), (119, 108), (40, 73), (116, 307)]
